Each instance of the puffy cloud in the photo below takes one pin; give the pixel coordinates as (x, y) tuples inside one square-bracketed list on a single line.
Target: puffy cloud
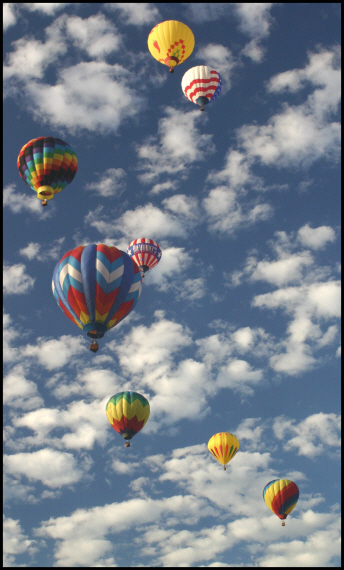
[(49, 9), (50, 467), (283, 271), (9, 15), (90, 95), (19, 392), (238, 375), (316, 238), (254, 51), (226, 210), (136, 14), (54, 353), (21, 202), (15, 541), (96, 35), (146, 220), (312, 436), (175, 150), (255, 20), (174, 261), (31, 251), (110, 184), (16, 281)]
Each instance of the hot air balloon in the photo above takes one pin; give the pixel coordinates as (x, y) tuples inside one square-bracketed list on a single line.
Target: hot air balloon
[(223, 446), (201, 85), (171, 43), (281, 496), (127, 412), (145, 252), (47, 165), (96, 286)]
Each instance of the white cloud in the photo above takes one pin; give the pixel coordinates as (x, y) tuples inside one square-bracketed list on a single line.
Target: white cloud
[(15, 542), (16, 281), (19, 392), (316, 238), (238, 375), (175, 150), (283, 271), (227, 211), (50, 467), (90, 95), (96, 35), (161, 187), (254, 51), (134, 13), (111, 183), (47, 8), (54, 353), (31, 251), (147, 220), (9, 15), (21, 202), (255, 19), (311, 437), (173, 263)]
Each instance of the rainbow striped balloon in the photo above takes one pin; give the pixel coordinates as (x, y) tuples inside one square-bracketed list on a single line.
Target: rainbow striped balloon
[(281, 496), (127, 412), (96, 286), (145, 252), (47, 165), (201, 85), (223, 446)]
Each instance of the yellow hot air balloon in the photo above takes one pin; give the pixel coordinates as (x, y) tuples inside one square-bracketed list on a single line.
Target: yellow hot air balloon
[(171, 43), (223, 446)]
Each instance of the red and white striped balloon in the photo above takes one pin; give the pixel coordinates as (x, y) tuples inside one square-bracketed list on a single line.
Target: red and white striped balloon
[(201, 84), (145, 252)]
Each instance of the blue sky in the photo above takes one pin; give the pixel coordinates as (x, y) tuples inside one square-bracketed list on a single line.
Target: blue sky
[(237, 329)]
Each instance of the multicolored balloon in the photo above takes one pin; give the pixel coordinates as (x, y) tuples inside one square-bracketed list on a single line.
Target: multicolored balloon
[(127, 412), (201, 85), (171, 43), (96, 286), (47, 165), (145, 252), (223, 446), (281, 496)]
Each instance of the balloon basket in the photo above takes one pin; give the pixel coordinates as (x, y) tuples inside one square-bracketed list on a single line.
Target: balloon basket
[(202, 108), (224, 468), (127, 444), (44, 203), (94, 346), (171, 70), (283, 523)]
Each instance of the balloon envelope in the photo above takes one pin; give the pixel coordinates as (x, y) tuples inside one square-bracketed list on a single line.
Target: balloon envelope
[(201, 84), (47, 165), (223, 446), (281, 496), (127, 412), (96, 286), (145, 252), (171, 42)]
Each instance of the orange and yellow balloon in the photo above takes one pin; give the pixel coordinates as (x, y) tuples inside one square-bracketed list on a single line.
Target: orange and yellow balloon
[(281, 496), (223, 446), (171, 43)]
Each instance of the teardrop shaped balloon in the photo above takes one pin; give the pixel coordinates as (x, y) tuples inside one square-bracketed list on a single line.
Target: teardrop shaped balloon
[(96, 286), (223, 446), (47, 165), (127, 412), (145, 252), (171, 43), (281, 496), (201, 85)]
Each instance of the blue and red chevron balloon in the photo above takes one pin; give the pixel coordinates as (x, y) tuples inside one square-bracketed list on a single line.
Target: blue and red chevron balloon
[(281, 496), (96, 286), (145, 252), (202, 85)]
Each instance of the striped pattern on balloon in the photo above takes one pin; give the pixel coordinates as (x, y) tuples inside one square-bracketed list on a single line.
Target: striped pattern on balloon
[(145, 252), (201, 85), (223, 446), (281, 496), (127, 413), (96, 286)]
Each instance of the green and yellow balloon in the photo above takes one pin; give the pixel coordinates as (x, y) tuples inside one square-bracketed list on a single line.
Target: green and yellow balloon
[(127, 412)]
